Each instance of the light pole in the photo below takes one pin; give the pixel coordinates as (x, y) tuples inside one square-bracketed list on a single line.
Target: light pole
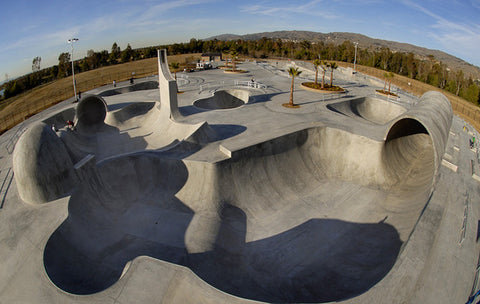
[(355, 60), (71, 41)]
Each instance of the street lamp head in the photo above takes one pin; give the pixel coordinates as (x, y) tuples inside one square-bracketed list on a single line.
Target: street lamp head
[(72, 40)]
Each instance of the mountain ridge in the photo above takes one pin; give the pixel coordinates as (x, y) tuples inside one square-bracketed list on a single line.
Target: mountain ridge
[(364, 41)]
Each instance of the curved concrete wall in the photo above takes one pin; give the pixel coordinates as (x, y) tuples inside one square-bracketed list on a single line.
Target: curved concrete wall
[(42, 166), (432, 115), (225, 99), (60, 119), (372, 109), (127, 204), (251, 223), (91, 113)]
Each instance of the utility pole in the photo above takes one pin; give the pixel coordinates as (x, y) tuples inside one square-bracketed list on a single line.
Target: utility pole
[(355, 60), (71, 41)]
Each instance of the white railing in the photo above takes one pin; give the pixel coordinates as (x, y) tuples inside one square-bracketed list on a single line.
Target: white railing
[(236, 83), (250, 84)]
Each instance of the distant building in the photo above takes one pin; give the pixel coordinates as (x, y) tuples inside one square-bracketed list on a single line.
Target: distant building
[(206, 57), (204, 65)]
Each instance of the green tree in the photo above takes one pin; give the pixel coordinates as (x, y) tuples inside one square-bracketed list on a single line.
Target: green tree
[(234, 54), (115, 53), (388, 78), (472, 93), (459, 79), (92, 59), (293, 72), (84, 66), (36, 64), (324, 65), (333, 66), (174, 66), (63, 65), (127, 54)]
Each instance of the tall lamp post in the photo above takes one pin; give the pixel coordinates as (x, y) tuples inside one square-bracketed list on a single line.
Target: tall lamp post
[(355, 60), (71, 41)]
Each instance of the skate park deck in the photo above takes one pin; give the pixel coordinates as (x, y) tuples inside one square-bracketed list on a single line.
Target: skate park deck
[(268, 204)]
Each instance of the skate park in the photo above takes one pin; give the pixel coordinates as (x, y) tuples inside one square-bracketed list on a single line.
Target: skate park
[(221, 195)]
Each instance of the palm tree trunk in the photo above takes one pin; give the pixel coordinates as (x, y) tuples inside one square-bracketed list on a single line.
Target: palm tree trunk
[(316, 75), (331, 78), (323, 79), (291, 92)]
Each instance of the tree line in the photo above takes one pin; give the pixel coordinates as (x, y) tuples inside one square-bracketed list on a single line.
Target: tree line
[(428, 70)]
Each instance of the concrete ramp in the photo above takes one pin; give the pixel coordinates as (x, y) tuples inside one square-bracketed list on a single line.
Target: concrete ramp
[(225, 99), (302, 213), (125, 207), (136, 127), (315, 215), (373, 109), (249, 226), (310, 213)]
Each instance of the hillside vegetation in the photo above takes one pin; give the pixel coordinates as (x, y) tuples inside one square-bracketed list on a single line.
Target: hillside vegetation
[(34, 92), (45, 96)]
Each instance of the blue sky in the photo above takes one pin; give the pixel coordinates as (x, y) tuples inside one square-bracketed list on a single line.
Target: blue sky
[(41, 28)]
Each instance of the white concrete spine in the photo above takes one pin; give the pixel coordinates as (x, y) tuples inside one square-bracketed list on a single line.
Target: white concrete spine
[(168, 88)]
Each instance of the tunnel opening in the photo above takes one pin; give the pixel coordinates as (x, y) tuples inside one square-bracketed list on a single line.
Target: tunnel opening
[(409, 157), (91, 110)]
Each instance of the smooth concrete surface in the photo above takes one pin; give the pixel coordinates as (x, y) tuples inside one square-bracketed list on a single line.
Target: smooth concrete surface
[(224, 99), (376, 110), (342, 200)]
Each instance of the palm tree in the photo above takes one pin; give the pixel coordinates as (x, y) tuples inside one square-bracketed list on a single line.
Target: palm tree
[(333, 66), (388, 78), (293, 72), (324, 66), (234, 55), (174, 66), (316, 63)]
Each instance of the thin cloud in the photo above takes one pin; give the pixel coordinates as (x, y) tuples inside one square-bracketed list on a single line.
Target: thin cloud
[(156, 11), (273, 9), (460, 38)]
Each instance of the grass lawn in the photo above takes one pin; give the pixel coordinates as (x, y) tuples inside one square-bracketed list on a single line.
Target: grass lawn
[(16, 109)]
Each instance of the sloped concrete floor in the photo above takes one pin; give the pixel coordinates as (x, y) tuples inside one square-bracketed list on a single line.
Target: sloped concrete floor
[(308, 237)]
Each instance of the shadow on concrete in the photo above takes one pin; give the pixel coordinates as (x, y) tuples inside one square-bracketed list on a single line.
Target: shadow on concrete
[(265, 97), (104, 142), (321, 260), (127, 209), (224, 131), (224, 99), (113, 107), (146, 85), (118, 218), (192, 109)]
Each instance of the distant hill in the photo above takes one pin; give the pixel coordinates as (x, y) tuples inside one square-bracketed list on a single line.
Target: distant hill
[(452, 62)]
